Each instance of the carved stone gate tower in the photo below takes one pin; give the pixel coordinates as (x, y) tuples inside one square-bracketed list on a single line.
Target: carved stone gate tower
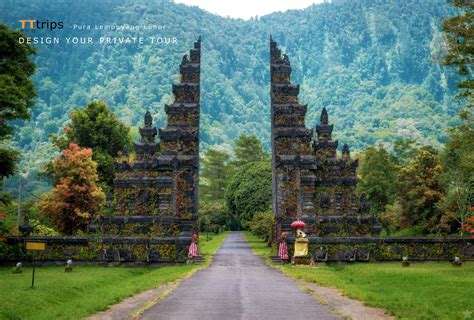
[(310, 181), (156, 186)]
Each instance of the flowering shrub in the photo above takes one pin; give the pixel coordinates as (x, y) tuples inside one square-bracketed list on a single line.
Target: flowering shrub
[(75, 198), (469, 226)]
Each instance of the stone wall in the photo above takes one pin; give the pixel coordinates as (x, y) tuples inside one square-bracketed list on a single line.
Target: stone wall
[(100, 249), (349, 249)]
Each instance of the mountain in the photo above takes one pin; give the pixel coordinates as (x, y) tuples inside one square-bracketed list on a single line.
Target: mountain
[(372, 63)]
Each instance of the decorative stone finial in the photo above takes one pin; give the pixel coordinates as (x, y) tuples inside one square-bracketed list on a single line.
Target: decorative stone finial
[(324, 116), (26, 229), (364, 205), (148, 119), (345, 151), (148, 132), (185, 59)]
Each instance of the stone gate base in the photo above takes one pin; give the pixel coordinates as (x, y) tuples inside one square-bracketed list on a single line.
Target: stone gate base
[(100, 249), (349, 249)]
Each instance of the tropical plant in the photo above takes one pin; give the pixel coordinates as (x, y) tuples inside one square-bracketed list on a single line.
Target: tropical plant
[(75, 198)]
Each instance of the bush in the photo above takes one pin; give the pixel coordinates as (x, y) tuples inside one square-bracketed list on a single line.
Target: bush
[(250, 191), (42, 230), (75, 198), (262, 223), (212, 216)]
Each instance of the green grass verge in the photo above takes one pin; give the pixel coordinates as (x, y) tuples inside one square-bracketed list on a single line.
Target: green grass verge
[(86, 290), (429, 290)]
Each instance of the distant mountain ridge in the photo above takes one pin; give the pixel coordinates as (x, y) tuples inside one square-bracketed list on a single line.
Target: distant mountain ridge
[(372, 63)]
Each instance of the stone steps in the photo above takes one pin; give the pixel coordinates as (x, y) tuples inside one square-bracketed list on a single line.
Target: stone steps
[(197, 260), (277, 260)]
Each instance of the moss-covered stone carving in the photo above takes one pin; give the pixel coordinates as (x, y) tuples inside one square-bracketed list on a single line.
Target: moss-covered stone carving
[(310, 180), (155, 193)]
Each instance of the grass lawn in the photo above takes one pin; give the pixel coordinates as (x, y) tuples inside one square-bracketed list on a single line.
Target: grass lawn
[(86, 290), (429, 290)]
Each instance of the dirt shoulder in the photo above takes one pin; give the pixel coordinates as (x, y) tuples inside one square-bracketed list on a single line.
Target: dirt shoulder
[(342, 305)]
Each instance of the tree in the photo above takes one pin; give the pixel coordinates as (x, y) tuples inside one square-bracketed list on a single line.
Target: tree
[(75, 198), (420, 191), (378, 175), (96, 127), (249, 191), (458, 175), (214, 178), (405, 151), (214, 175), (212, 216), (459, 44), (458, 156), (249, 149), (262, 223), (17, 93)]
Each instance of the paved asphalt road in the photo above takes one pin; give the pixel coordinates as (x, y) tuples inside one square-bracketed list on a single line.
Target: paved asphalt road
[(238, 285)]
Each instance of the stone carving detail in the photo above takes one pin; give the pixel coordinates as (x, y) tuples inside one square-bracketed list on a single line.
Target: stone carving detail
[(321, 254), (324, 201), (350, 254), (363, 254), (107, 254), (306, 166)]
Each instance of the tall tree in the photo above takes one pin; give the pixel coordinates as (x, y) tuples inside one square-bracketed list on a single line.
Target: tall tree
[(249, 149), (214, 175), (17, 94), (405, 150), (458, 156), (249, 191), (96, 127), (75, 198), (420, 191), (459, 32), (378, 175), (458, 175)]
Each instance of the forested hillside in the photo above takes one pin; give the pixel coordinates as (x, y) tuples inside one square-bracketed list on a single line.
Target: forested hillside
[(372, 63)]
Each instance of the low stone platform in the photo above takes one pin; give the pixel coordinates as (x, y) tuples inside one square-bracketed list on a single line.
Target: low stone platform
[(388, 249), (143, 250), (101, 249)]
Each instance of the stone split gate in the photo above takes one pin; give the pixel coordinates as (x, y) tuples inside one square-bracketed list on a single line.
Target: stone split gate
[(155, 202)]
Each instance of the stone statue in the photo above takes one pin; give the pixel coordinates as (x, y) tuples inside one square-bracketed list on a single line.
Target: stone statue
[(148, 119)]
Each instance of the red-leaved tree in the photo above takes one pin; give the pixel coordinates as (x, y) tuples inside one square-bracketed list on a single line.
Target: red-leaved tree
[(75, 198)]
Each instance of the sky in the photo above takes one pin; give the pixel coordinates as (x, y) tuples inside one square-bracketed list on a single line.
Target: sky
[(246, 9)]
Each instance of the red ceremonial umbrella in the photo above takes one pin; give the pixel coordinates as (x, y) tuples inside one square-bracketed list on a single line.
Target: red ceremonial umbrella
[(298, 224)]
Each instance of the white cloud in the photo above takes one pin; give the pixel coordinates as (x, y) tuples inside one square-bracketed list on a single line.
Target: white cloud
[(246, 9)]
